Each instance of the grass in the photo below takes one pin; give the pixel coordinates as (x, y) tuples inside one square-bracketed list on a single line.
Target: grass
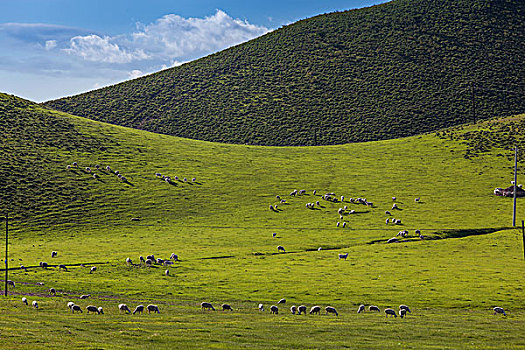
[(221, 228)]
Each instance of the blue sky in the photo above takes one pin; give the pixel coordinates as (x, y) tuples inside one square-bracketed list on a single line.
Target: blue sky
[(55, 48)]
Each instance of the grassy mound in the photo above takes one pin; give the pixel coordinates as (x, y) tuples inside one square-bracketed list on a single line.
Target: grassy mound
[(389, 71), (221, 227)]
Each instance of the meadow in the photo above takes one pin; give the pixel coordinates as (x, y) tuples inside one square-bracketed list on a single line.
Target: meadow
[(221, 228)]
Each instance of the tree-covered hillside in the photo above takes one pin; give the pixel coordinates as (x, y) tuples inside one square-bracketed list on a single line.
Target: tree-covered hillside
[(393, 70)]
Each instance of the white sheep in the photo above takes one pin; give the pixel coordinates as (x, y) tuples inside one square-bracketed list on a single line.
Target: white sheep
[(52, 291), (85, 296), (139, 309), (342, 198), (100, 310), (153, 308), (394, 198), (92, 308), (282, 301), (167, 272), (70, 304), (128, 261), (193, 179), (344, 224), (499, 310), (11, 283), (207, 306), (293, 309), (404, 307), (24, 300), (95, 176), (315, 310), (35, 304), (274, 309), (361, 309), (388, 213), (402, 313), (124, 307), (373, 308), (417, 200), (93, 269), (331, 310), (301, 309), (75, 164), (261, 307), (392, 240), (394, 206), (54, 254), (108, 168), (280, 248), (387, 221), (88, 169), (68, 167), (185, 180), (338, 223), (274, 234), (76, 308), (174, 257), (343, 256), (390, 312)]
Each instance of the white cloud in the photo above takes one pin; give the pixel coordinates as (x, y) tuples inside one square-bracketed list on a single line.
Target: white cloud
[(50, 44), (169, 40), (135, 73), (97, 49)]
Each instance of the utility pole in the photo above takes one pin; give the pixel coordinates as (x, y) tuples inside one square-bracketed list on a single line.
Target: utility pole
[(473, 101), (6, 241), (515, 185)]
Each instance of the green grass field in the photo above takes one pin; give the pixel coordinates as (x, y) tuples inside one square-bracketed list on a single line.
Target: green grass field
[(221, 228)]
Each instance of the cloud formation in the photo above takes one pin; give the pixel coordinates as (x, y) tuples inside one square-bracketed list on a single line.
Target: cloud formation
[(170, 38)]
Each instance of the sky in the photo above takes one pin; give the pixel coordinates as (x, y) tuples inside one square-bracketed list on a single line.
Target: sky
[(55, 48)]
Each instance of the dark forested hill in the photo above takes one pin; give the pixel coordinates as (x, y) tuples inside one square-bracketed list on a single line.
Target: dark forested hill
[(393, 70)]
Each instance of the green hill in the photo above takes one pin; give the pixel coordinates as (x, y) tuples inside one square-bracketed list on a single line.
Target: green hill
[(221, 227), (388, 71)]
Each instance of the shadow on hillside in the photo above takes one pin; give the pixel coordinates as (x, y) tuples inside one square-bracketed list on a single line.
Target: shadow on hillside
[(446, 234)]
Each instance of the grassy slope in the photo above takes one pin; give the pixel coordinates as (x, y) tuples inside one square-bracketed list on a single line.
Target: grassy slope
[(384, 72), (450, 283)]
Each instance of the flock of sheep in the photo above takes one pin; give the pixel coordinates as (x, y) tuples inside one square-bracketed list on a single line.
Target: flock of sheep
[(88, 170)]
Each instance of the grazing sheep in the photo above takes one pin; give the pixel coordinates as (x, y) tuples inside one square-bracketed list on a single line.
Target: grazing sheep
[(319, 249), (338, 224), (282, 301), (88, 169), (54, 254), (315, 310), (293, 309), (274, 309), (351, 211), (331, 310), (193, 179), (149, 262), (43, 265), (301, 309), (261, 307), (124, 307), (24, 300), (314, 192), (343, 256), (417, 232), (62, 267), (317, 203), (116, 172), (280, 248), (293, 193), (68, 167), (93, 269), (70, 304), (100, 310), (342, 198), (35, 304), (174, 257), (394, 198), (344, 224), (208, 306), (22, 267), (75, 164), (390, 312), (97, 166), (167, 272), (176, 178), (160, 261), (283, 201), (271, 207), (91, 308), (85, 296), (128, 261), (153, 308), (95, 176), (387, 221), (226, 307), (361, 309), (11, 283), (394, 206), (402, 313), (417, 200), (52, 291), (158, 174), (139, 309), (141, 258), (274, 234), (373, 308), (393, 240), (76, 308), (499, 310), (108, 168), (388, 213)]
